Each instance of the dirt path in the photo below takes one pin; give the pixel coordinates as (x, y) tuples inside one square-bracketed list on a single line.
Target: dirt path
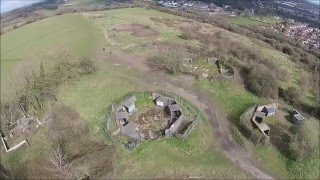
[(220, 124)]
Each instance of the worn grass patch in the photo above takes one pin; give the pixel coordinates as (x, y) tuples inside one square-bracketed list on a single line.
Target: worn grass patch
[(233, 99)]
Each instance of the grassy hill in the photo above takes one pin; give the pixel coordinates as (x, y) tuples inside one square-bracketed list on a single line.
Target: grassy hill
[(30, 44), (121, 70)]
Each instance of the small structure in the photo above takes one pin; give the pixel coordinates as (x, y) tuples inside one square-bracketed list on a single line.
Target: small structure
[(173, 110), (22, 126), (162, 101), (7, 148), (122, 117), (269, 110), (258, 120), (297, 117), (129, 104), (259, 116), (131, 129), (173, 121)]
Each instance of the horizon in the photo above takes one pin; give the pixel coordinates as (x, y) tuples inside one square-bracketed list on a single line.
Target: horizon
[(10, 5)]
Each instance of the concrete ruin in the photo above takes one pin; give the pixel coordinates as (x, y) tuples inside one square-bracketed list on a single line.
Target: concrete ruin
[(6, 146), (297, 117), (259, 116), (135, 131)]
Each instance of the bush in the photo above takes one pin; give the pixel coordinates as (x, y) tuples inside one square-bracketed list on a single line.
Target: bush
[(87, 65), (261, 82), (290, 95), (170, 59), (306, 139), (287, 50)]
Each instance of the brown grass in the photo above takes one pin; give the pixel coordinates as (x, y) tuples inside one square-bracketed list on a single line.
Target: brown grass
[(136, 30)]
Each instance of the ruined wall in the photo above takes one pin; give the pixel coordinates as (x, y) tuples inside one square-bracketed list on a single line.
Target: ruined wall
[(174, 127)]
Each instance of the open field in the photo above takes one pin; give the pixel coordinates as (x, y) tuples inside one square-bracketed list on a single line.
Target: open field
[(142, 162), (254, 21), (27, 46), (234, 100), (121, 70)]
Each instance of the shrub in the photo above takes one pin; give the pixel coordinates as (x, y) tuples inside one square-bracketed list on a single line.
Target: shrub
[(290, 95), (261, 82), (170, 59), (287, 49), (87, 65), (306, 139)]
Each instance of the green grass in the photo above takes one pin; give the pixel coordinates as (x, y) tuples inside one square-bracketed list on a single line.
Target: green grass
[(171, 158), (233, 99), (308, 168), (34, 42), (140, 16), (39, 147), (93, 95), (282, 167), (143, 100), (254, 21), (271, 159)]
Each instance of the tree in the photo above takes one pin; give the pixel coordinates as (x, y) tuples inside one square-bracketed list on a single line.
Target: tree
[(59, 164)]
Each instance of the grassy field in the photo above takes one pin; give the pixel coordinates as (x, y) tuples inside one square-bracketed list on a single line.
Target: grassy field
[(254, 21), (30, 44), (151, 158), (234, 100), (93, 94)]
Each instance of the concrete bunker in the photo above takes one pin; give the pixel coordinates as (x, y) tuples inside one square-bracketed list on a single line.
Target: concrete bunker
[(161, 119)]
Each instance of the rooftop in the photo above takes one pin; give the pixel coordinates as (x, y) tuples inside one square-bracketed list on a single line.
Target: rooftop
[(263, 126), (163, 98), (174, 107), (132, 130), (129, 101), (121, 115), (299, 117)]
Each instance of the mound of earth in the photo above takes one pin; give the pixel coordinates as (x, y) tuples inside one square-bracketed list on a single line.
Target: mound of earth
[(136, 30)]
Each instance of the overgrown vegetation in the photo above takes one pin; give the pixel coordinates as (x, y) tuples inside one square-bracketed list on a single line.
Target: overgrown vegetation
[(169, 59), (261, 82), (306, 139)]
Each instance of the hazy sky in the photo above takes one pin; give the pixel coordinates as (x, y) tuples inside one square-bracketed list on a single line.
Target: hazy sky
[(314, 1), (9, 5)]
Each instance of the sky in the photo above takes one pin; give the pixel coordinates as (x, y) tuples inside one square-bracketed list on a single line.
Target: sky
[(315, 1), (9, 5)]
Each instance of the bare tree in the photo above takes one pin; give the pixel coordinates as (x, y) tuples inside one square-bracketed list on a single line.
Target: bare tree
[(59, 163)]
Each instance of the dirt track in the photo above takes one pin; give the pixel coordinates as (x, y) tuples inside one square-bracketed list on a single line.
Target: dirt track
[(220, 124)]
